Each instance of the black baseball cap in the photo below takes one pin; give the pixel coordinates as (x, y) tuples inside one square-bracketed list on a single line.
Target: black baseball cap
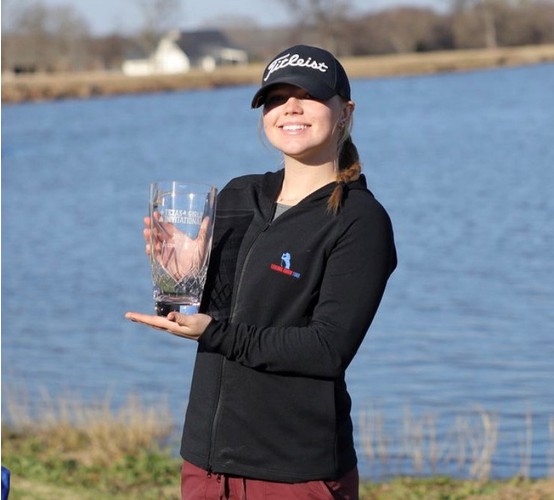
[(315, 70)]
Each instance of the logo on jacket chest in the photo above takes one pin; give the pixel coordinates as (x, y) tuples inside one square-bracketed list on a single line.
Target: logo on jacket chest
[(284, 267)]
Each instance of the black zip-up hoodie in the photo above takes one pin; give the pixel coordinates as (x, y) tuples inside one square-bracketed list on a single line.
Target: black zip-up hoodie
[(292, 299)]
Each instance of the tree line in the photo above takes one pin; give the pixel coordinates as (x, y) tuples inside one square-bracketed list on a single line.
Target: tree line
[(37, 37)]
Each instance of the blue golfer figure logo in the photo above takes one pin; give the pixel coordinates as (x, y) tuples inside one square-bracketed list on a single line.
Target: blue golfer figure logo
[(285, 260)]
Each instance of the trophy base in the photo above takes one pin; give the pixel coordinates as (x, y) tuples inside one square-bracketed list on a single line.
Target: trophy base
[(164, 308)]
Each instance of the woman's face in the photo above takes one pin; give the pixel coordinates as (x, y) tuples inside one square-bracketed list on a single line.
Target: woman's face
[(302, 127)]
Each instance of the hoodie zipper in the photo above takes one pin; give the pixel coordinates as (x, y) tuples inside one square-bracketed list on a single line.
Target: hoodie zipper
[(246, 261), (216, 418), (224, 363)]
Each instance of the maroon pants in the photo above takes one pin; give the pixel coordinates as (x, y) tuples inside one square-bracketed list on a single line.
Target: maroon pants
[(197, 484)]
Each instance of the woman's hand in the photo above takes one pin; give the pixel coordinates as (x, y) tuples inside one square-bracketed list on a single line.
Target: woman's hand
[(176, 252), (189, 326)]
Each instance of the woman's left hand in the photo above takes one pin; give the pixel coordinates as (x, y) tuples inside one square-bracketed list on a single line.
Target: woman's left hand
[(189, 326)]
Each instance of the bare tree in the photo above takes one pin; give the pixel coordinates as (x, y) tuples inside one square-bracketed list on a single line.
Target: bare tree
[(328, 18), (524, 23), (401, 30), (109, 51), (487, 12), (484, 23), (70, 35), (158, 17), (40, 37)]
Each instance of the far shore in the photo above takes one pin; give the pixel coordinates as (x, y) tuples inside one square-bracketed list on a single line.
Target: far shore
[(57, 86)]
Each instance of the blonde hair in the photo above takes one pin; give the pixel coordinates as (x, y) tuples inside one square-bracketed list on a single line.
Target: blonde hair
[(349, 168)]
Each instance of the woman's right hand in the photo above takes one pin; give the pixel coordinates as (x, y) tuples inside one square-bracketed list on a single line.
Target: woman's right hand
[(174, 250)]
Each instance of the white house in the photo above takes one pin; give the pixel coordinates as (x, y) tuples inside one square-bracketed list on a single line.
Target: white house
[(179, 51)]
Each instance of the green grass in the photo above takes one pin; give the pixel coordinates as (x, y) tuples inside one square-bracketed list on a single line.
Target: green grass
[(442, 488), (39, 471), (77, 451)]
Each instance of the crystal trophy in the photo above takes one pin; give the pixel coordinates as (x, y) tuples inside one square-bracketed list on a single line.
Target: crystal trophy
[(181, 229)]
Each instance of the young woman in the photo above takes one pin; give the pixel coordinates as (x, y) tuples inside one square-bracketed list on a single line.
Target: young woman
[(299, 264)]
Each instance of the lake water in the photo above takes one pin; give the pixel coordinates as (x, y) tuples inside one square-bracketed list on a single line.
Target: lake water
[(464, 164)]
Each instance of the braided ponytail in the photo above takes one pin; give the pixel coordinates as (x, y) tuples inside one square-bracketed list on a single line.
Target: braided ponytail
[(349, 169)]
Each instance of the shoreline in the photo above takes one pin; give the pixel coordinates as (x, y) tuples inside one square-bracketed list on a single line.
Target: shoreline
[(83, 85), (91, 451)]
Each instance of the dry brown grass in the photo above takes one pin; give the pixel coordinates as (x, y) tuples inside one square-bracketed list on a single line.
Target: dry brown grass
[(39, 87), (72, 450), (90, 433), (447, 61), (444, 488), (469, 446)]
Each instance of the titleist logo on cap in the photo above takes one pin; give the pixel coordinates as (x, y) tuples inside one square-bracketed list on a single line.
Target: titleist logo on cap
[(294, 60)]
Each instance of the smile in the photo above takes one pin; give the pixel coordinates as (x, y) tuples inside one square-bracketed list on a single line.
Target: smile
[(294, 128)]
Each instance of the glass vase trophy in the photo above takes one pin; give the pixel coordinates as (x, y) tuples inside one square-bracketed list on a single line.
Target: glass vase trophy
[(181, 228)]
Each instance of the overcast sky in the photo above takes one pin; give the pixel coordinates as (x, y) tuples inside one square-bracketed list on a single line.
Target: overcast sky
[(106, 16)]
